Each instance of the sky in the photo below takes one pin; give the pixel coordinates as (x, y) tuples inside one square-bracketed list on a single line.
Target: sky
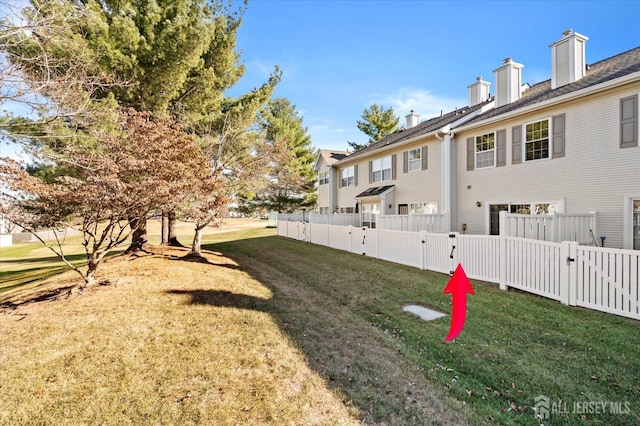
[(340, 57)]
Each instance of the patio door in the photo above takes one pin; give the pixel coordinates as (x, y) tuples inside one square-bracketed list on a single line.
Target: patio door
[(494, 217)]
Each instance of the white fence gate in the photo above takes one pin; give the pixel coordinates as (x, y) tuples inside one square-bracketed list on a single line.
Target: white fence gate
[(597, 278)]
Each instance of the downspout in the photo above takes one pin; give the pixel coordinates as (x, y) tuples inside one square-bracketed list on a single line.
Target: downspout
[(446, 173), (332, 190)]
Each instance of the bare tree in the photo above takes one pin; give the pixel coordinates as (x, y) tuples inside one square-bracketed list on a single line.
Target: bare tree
[(110, 189)]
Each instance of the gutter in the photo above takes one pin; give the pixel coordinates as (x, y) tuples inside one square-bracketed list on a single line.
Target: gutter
[(445, 129), (591, 90)]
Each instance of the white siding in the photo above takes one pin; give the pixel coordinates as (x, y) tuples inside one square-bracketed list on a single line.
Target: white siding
[(594, 175)]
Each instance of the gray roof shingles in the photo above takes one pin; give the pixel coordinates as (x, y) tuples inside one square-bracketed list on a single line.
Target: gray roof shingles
[(423, 128), (600, 72)]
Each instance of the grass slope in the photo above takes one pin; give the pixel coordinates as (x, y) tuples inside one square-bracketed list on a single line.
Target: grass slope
[(276, 331), (342, 308)]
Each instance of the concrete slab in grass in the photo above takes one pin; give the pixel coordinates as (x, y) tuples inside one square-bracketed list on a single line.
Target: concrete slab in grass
[(424, 313)]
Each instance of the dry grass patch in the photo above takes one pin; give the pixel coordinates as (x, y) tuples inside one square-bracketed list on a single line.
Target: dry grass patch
[(171, 342)]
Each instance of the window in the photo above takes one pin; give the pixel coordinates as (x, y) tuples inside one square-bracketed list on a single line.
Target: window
[(415, 160), (538, 208), (547, 208), (415, 208), (485, 151), (323, 179), (520, 208), (536, 140), (429, 207), (381, 169), (346, 210), (347, 177), (494, 217)]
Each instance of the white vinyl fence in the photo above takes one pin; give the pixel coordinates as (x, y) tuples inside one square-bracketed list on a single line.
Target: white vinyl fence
[(554, 228), (414, 222), (597, 278)]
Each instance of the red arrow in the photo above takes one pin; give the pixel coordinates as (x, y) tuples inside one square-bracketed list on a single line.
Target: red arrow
[(458, 286)]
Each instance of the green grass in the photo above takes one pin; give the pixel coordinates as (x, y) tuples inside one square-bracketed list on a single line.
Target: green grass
[(23, 266), (514, 347), (343, 313)]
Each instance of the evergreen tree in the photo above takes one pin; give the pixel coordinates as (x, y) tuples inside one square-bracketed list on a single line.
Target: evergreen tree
[(377, 122), (166, 57), (291, 183)]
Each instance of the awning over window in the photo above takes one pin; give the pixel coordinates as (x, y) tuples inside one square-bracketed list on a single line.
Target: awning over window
[(376, 192)]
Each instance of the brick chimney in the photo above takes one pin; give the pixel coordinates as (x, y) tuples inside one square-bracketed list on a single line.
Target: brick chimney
[(568, 62)]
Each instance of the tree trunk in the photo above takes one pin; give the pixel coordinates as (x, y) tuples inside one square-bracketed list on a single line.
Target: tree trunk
[(165, 229), (173, 238), (139, 236), (90, 278), (196, 245)]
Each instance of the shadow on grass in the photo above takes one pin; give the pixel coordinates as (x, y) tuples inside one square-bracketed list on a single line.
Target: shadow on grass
[(322, 301), (222, 299), (71, 258), (202, 259), (14, 279)]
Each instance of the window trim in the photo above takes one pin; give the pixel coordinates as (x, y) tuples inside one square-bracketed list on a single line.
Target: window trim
[(627, 221), (549, 139), (417, 160), (350, 179), (423, 204), (381, 170), (476, 152), (532, 203), (323, 178)]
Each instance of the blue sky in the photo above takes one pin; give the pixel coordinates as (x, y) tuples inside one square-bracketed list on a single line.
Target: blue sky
[(339, 57)]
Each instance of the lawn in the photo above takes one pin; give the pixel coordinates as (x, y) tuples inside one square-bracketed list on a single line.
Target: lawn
[(276, 331)]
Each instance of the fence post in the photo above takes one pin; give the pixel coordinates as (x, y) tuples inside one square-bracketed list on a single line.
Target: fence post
[(502, 278), (453, 251), (423, 248), (568, 272)]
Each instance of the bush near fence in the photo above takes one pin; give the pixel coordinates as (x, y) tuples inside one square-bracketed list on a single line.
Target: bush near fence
[(597, 278)]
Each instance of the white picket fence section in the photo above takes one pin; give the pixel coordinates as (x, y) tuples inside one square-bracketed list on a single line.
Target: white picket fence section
[(342, 219), (557, 227), (413, 222), (597, 278)]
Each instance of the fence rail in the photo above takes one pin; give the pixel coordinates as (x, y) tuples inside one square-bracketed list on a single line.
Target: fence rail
[(597, 278)]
